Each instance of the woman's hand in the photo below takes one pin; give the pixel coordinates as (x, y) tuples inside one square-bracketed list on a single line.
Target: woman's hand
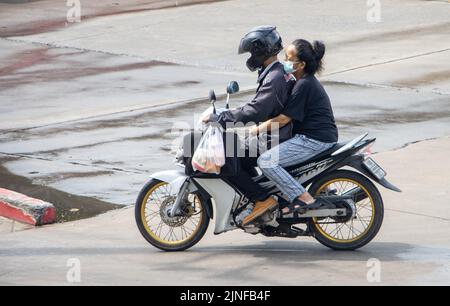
[(254, 130), (280, 121), (206, 118)]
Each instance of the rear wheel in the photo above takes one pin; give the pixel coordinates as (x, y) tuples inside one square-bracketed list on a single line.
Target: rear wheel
[(358, 230), (169, 233)]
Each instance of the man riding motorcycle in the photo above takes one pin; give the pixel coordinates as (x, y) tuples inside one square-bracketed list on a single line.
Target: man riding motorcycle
[(264, 44), (174, 208)]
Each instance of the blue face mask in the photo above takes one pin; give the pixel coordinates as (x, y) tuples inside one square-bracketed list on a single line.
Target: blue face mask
[(289, 67)]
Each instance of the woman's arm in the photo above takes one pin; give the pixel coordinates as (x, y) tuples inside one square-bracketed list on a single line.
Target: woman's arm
[(281, 120)]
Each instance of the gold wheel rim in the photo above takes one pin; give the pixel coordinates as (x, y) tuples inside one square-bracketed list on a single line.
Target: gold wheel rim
[(161, 231), (347, 232)]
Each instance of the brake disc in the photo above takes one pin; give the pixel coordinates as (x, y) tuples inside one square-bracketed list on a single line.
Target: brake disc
[(166, 208)]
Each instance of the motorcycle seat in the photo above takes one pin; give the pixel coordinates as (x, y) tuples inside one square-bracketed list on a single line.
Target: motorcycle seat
[(325, 154), (317, 158)]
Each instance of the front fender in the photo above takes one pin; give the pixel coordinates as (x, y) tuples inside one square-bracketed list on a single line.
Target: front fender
[(175, 178)]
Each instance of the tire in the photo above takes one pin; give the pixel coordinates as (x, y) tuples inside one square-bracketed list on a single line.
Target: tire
[(170, 246), (377, 211)]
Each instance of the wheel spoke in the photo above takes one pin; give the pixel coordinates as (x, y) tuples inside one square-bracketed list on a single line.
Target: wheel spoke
[(352, 229), (163, 228)]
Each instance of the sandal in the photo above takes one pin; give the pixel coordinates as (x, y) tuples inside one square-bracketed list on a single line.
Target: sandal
[(300, 207), (322, 203), (296, 207)]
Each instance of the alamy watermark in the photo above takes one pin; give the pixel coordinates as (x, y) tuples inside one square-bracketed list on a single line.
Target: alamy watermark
[(374, 270), (74, 11), (374, 11), (249, 144), (73, 275)]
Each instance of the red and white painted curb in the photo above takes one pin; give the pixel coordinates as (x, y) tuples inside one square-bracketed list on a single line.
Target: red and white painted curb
[(24, 209)]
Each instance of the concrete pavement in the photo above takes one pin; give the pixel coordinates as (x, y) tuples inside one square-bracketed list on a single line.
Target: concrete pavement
[(413, 245), (24, 17), (99, 92), (111, 157), (10, 226), (78, 84), (205, 36), (88, 111)]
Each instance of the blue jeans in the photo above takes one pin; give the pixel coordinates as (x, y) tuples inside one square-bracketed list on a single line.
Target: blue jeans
[(292, 152)]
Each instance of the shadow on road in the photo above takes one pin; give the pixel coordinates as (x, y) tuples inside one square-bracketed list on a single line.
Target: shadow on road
[(288, 252), (279, 251)]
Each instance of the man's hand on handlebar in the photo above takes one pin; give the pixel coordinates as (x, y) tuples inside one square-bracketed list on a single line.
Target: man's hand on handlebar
[(210, 118)]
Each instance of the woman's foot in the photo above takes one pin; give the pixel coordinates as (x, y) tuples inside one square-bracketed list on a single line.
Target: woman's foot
[(297, 206), (301, 204)]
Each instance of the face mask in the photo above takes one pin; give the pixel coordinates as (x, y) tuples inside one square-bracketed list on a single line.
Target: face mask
[(289, 67)]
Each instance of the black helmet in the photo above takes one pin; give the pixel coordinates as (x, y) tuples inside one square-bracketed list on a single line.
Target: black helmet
[(262, 42)]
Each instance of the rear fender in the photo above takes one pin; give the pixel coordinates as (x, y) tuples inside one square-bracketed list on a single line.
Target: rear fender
[(356, 162)]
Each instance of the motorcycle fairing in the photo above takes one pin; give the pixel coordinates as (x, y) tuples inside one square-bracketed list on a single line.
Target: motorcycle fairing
[(225, 198)]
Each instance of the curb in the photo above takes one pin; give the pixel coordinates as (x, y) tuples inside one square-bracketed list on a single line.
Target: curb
[(19, 207)]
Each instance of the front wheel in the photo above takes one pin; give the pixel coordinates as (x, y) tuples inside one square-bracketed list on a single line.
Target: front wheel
[(169, 233), (357, 231)]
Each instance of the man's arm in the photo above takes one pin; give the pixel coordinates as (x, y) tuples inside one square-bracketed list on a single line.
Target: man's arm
[(267, 102), (281, 120)]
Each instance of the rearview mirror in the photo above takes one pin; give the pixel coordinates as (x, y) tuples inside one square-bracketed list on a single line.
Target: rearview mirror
[(213, 99), (233, 87), (212, 96)]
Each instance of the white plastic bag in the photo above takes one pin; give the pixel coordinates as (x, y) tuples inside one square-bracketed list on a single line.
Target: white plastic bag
[(209, 157), (200, 126)]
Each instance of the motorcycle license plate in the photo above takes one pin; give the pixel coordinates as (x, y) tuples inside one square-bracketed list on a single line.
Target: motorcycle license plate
[(374, 168)]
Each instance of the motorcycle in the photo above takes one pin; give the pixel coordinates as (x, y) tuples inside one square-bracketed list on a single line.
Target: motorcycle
[(173, 210)]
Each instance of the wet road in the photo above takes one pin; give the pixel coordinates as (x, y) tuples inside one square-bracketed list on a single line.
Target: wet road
[(87, 113), (88, 109), (122, 150)]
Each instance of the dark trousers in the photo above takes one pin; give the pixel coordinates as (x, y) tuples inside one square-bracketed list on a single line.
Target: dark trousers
[(243, 181)]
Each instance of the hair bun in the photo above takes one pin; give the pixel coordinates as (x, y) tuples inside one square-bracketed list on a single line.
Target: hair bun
[(311, 54), (319, 50)]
